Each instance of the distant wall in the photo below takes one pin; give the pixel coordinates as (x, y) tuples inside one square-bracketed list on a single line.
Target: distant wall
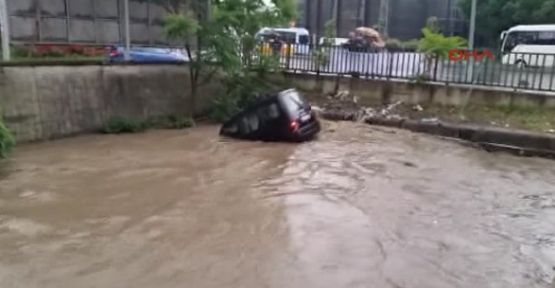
[(53, 101), (378, 91), (85, 21)]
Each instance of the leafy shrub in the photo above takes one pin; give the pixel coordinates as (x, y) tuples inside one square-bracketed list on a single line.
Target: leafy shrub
[(437, 44), (420, 79), (172, 122), (7, 141), (393, 44), (411, 45), (118, 125), (242, 91)]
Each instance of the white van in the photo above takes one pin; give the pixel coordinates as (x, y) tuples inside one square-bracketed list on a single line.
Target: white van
[(529, 45), (334, 41), (299, 37)]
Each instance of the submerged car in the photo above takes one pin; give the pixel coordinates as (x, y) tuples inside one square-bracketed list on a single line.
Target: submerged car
[(282, 116)]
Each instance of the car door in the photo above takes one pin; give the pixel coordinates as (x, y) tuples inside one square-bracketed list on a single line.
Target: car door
[(270, 121)]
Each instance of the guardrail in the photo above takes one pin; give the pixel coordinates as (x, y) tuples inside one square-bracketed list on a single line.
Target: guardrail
[(527, 71)]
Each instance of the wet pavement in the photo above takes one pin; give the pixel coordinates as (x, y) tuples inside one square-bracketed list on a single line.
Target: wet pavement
[(361, 207)]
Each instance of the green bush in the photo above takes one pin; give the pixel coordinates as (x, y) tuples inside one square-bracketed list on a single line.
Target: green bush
[(7, 141), (118, 125), (411, 45), (436, 44), (393, 44), (242, 90), (172, 122)]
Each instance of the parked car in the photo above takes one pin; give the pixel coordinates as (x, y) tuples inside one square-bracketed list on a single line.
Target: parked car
[(282, 116), (147, 55)]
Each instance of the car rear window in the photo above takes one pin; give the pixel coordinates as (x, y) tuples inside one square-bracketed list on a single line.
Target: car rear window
[(294, 102)]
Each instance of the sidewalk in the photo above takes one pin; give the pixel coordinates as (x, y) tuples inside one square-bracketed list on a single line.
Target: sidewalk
[(490, 138)]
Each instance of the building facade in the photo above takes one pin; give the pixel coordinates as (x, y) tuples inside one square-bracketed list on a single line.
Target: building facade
[(402, 19), (84, 21)]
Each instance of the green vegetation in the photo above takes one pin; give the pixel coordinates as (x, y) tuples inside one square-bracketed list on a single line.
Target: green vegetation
[(526, 118), (494, 16), (394, 44), (436, 44), (411, 45), (322, 54), (24, 54), (171, 122), (226, 37), (119, 125), (7, 141)]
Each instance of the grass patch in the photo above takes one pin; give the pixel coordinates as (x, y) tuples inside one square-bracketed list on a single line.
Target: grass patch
[(171, 122), (120, 125), (7, 141), (526, 118)]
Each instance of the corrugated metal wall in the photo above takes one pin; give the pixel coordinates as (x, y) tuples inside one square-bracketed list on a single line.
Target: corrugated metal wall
[(84, 21)]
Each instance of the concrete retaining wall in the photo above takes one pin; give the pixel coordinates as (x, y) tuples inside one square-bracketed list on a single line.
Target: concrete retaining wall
[(45, 102), (54, 101), (377, 92)]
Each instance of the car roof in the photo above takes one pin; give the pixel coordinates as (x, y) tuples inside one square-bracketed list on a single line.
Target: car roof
[(532, 28)]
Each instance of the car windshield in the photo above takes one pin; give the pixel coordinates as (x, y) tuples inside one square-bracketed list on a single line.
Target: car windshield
[(529, 38)]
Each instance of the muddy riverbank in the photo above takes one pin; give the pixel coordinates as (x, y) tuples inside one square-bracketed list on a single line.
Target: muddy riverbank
[(362, 206)]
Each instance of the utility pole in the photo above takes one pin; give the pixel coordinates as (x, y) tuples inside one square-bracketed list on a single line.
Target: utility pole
[(384, 15), (308, 17), (318, 19), (471, 37), (472, 25), (5, 31), (338, 15), (450, 17), (126, 54)]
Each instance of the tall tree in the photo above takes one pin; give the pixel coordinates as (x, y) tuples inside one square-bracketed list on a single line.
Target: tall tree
[(227, 37), (494, 16)]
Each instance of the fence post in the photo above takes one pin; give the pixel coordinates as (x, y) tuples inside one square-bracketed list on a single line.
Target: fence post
[(289, 49), (436, 63), (390, 64), (319, 59)]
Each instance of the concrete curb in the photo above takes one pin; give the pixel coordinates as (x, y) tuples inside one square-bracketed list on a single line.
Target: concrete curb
[(522, 143)]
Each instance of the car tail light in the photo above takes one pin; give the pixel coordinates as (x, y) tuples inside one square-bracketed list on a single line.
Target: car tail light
[(294, 126), (113, 51)]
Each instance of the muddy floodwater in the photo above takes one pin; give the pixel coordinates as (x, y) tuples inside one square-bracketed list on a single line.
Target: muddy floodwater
[(360, 207)]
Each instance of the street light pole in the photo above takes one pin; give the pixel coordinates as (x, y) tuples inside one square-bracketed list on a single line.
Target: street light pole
[(472, 25), (449, 17), (471, 37), (5, 31), (126, 55)]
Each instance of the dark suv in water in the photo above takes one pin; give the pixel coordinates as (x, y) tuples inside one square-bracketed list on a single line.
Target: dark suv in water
[(283, 116)]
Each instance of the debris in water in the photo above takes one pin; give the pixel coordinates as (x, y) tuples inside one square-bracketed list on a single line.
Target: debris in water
[(409, 164), (342, 95), (417, 108), (390, 108), (430, 120)]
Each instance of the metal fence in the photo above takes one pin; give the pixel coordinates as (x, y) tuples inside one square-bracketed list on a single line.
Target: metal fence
[(515, 70)]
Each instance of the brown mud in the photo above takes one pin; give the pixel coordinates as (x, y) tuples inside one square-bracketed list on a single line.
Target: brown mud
[(360, 207)]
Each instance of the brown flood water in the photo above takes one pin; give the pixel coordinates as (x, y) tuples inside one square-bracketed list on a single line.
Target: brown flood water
[(360, 207)]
